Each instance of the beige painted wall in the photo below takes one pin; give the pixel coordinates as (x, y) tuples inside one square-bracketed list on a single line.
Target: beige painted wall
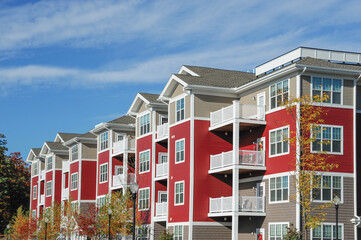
[(204, 105), (348, 92), (89, 151), (59, 160), (177, 91)]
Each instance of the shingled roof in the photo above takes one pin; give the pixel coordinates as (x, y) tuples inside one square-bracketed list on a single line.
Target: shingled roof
[(68, 136), (123, 120), (56, 146), (152, 98), (88, 135), (36, 151), (323, 63)]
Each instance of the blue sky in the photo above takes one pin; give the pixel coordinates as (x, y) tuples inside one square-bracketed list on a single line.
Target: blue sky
[(66, 66)]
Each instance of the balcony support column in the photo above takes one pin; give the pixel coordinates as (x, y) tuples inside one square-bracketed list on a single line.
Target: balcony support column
[(125, 171), (235, 172)]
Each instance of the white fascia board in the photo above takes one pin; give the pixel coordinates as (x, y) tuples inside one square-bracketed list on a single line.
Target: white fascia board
[(135, 103), (326, 69), (184, 68), (164, 95), (58, 136), (43, 148), (99, 127), (79, 140), (30, 153), (213, 91)]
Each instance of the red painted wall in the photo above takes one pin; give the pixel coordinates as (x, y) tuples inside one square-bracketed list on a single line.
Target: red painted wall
[(58, 181), (34, 202), (74, 168), (48, 177), (88, 180), (179, 172), (103, 188)]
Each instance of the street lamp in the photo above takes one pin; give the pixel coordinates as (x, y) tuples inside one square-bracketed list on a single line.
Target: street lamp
[(7, 230), (336, 201), (110, 216), (134, 189)]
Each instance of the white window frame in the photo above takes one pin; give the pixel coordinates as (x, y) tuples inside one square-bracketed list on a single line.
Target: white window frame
[(270, 143), (116, 167), (276, 223), (35, 168), (35, 192), (144, 125), (74, 181), (160, 157), (331, 97), (331, 188), (180, 151), (117, 135), (73, 152), (144, 162), (146, 199), (332, 224), (282, 188), (143, 229), (101, 201), (178, 235), (103, 176), (175, 193), (33, 214), (51, 163), (270, 96), (331, 141), (180, 110), (49, 183), (161, 117), (104, 140)]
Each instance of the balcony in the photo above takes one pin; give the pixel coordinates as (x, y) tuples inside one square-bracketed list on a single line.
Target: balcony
[(247, 206), (42, 199), (248, 160), (65, 194), (42, 175), (245, 114), (161, 171), (161, 211), (66, 166), (121, 181), (127, 144), (162, 132)]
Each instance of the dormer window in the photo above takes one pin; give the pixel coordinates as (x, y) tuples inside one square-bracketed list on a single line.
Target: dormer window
[(74, 152), (180, 109), (104, 140), (50, 163), (145, 124)]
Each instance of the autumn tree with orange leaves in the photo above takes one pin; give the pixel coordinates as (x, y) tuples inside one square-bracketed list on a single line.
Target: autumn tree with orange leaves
[(308, 114), (14, 184), (22, 225)]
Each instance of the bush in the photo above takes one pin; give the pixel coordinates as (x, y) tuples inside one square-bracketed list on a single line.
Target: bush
[(292, 233), (166, 236)]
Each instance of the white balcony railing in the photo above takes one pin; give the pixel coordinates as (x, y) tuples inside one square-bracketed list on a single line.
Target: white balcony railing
[(42, 199), (122, 145), (65, 194), (42, 175), (161, 209), (66, 166), (162, 131), (246, 157), (162, 170), (120, 179), (246, 112), (246, 204)]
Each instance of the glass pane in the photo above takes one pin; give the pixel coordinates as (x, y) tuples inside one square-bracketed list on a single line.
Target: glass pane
[(273, 137), (279, 195), (336, 182), (327, 84), (316, 145), (327, 95), (272, 230), (278, 182), (337, 85), (336, 98), (316, 83), (326, 133), (285, 146), (285, 182), (279, 88), (326, 181), (285, 86), (279, 147), (278, 230), (326, 194), (326, 146), (273, 102), (273, 149), (316, 93), (272, 183), (285, 194), (336, 133), (327, 231), (273, 195), (317, 232), (336, 146)]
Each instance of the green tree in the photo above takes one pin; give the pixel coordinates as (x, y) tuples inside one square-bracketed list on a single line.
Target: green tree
[(14, 184)]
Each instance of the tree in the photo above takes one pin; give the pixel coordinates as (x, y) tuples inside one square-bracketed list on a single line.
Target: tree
[(166, 236), (308, 114), (14, 184), (51, 219), (22, 225)]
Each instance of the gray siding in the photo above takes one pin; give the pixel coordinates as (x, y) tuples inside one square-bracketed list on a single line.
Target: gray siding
[(159, 228), (89, 151), (305, 85), (348, 92), (212, 232), (185, 231)]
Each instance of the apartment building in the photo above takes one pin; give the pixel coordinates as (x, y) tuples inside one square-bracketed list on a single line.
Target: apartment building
[(208, 151)]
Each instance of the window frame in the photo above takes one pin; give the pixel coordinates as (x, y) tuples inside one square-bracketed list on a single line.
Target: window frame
[(332, 91), (51, 163), (73, 153), (101, 201), (331, 144), (332, 224), (145, 128), (74, 182), (275, 223), (282, 188), (101, 174), (270, 94), (180, 236), (146, 199), (145, 152), (184, 150), (282, 142), (51, 188), (331, 189), (175, 193), (180, 110), (35, 167), (104, 141), (35, 192)]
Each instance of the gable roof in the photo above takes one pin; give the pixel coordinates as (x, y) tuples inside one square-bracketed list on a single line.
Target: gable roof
[(123, 120), (66, 136), (34, 152), (149, 99), (56, 146)]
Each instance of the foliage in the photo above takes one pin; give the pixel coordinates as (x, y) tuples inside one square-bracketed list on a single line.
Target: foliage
[(50, 220), (166, 236), (308, 114), (22, 226), (292, 233), (14, 184)]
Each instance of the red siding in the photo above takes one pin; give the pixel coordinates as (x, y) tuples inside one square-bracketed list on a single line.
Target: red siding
[(34, 202), (103, 188), (88, 181), (57, 185), (48, 177), (74, 168)]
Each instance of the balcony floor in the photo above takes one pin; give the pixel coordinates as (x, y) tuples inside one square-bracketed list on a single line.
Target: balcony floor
[(240, 214), (241, 169), (244, 124)]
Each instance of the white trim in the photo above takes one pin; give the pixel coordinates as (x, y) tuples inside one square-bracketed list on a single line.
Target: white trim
[(355, 154), (191, 168), (148, 150), (180, 122), (202, 118), (342, 141), (71, 180), (264, 97), (100, 142), (269, 92), (80, 170), (180, 96), (178, 225), (86, 201), (176, 111), (288, 190), (331, 188), (275, 223), (332, 224), (184, 68), (88, 159), (100, 175), (139, 116), (332, 78), (175, 152), (143, 189), (331, 105), (269, 141), (175, 193)]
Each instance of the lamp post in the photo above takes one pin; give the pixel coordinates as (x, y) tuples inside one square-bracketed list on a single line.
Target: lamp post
[(134, 189), (46, 226), (7, 231), (110, 217), (336, 201)]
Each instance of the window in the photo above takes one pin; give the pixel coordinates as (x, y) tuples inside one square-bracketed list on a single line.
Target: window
[(35, 192), (143, 199), (327, 231), (74, 206), (74, 181), (145, 124), (163, 119), (279, 141), (277, 230), (163, 157), (104, 144), (179, 151), (325, 188), (178, 232), (327, 139), (102, 201), (144, 161), (118, 170), (329, 87), (48, 188), (143, 233), (33, 214), (279, 94), (35, 168), (119, 137), (279, 189), (104, 173), (180, 109), (74, 152), (179, 193), (50, 163)]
